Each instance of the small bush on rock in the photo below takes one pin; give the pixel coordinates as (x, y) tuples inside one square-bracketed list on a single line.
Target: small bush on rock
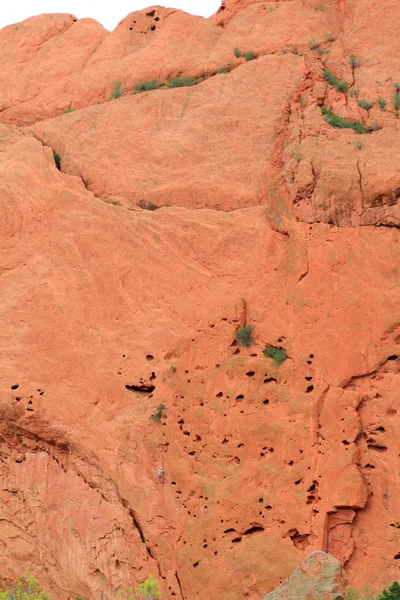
[(156, 417), (24, 587), (278, 355), (244, 335)]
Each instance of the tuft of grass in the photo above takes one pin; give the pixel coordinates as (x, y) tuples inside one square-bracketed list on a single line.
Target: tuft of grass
[(339, 84), (313, 44), (156, 417), (57, 160), (223, 71), (358, 145), (353, 92), (147, 86), (382, 103), (117, 90), (354, 61), (295, 50), (249, 55), (237, 53), (397, 86), (68, 110), (183, 81), (297, 158), (375, 126), (330, 37), (278, 355), (321, 52), (365, 104), (116, 203), (396, 101), (340, 123), (172, 368), (244, 335), (303, 101)]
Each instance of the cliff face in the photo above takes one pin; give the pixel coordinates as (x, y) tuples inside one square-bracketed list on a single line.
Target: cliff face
[(261, 213)]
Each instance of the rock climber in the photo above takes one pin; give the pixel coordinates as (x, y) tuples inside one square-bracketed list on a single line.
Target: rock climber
[(160, 475)]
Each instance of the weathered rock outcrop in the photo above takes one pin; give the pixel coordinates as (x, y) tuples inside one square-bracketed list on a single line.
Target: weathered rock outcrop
[(320, 576), (258, 212)]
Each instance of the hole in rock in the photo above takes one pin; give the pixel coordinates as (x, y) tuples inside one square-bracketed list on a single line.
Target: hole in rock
[(151, 13), (236, 540), (269, 379), (345, 442), (149, 357), (266, 401), (143, 388), (308, 378), (309, 389), (254, 529), (15, 387), (380, 428), (250, 373), (219, 395), (240, 397), (393, 357), (153, 27)]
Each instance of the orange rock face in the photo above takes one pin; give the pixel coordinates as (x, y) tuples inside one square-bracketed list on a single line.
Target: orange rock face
[(178, 216)]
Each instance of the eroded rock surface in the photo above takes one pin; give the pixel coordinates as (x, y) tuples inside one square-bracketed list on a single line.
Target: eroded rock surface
[(320, 576), (179, 215)]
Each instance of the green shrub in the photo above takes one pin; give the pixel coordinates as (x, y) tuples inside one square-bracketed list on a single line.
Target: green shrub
[(396, 101), (330, 37), (149, 590), (278, 355), (24, 587), (156, 417), (397, 86), (339, 84), (116, 202), (57, 160), (365, 104), (68, 110), (353, 92), (244, 335), (295, 50), (313, 44), (147, 86), (237, 53), (354, 61), (393, 593), (172, 368), (183, 82), (249, 55), (340, 123), (382, 103), (117, 90), (321, 52)]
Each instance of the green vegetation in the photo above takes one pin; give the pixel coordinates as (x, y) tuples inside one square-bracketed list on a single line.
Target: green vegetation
[(149, 590), (24, 587), (353, 92), (172, 368), (278, 355), (340, 123), (397, 86), (358, 145), (303, 101), (68, 110), (237, 53), (295, 50), (116, 203), (57, 160), (297, 158), (321, 52), (183, 81), (396, 101), (156, 417), (147, 86), (249, 55), (117, 90), (354, 61), (393, 593), (244, 335), (365, 104), (313, 44), (330, 37), (382, 103), (339, 84)]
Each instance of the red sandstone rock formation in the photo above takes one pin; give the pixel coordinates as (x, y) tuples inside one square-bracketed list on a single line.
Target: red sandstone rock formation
[(267, 215)]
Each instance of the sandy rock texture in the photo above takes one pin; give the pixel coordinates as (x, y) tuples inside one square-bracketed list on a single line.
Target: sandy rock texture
[(177, 216), (320, 575)]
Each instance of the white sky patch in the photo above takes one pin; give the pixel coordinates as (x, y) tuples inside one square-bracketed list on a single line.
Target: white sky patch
[(109, 14)]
